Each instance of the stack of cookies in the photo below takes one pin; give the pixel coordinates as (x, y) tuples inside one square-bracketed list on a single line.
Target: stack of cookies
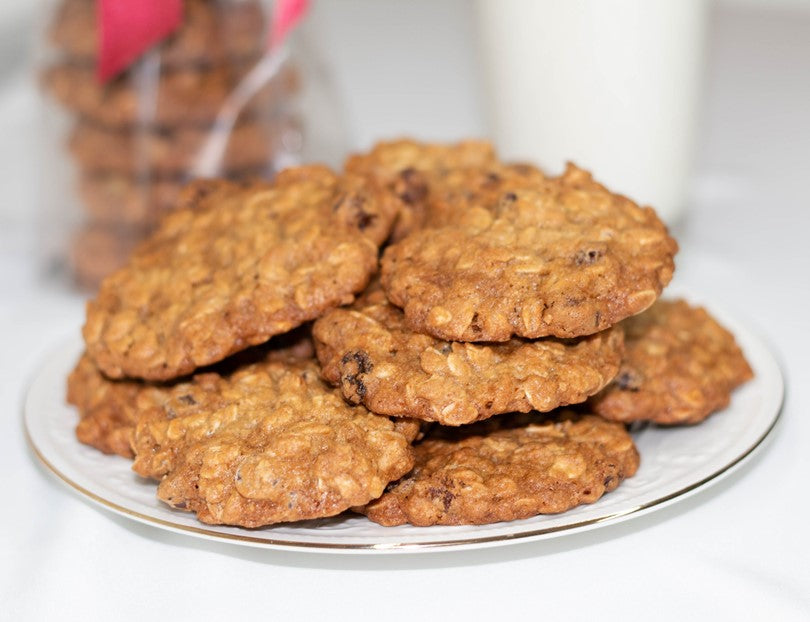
[(431, 337), (135, 139)]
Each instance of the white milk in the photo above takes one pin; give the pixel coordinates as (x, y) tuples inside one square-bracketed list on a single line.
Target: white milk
[(609, 84)]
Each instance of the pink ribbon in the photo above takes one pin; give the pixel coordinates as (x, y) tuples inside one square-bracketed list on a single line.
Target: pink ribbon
[(286, 15), (127, 28)]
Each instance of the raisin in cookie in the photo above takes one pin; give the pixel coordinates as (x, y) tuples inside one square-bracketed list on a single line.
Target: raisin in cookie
[(376, 360), (681, 365), (248, 262), (413, 171), (508, 468), (109, 410), (276, 445), (565, 257)]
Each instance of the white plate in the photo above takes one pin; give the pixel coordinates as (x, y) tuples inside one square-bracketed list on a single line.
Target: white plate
[(675, 462)]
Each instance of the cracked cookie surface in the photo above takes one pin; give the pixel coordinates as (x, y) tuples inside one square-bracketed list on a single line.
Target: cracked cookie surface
[(565, 258), (508, 468), (278, 445), (413, 172), (369, 352), (246, 262), (109, 410), (680, 366)]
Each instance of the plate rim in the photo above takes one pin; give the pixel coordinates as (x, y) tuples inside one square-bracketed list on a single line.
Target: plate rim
[(416, 546), (270, 543)]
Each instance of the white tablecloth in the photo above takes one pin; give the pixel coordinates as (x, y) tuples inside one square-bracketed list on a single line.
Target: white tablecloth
[(737, 551)]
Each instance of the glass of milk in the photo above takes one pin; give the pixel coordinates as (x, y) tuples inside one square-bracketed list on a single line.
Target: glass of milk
[(611, 85)]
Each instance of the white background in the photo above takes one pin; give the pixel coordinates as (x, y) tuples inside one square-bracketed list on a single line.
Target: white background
[(738, 551)]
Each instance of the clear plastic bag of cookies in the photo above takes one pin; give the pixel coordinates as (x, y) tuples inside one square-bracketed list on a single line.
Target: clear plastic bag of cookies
[(143, 95)]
